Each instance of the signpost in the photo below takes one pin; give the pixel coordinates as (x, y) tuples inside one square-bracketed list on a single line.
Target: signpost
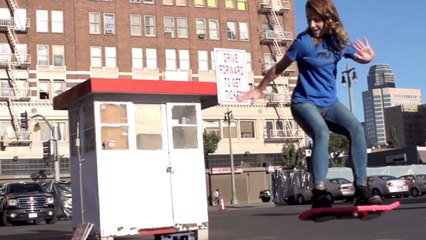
[(231, 75)]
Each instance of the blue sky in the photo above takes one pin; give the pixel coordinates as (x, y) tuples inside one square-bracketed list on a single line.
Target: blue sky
[(397, 32)]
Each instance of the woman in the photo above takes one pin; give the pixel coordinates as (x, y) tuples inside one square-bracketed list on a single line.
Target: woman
[(314, 103)]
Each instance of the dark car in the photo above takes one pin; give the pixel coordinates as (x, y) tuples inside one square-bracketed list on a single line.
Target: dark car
[(24, 202), (337, 189), (416, 183)]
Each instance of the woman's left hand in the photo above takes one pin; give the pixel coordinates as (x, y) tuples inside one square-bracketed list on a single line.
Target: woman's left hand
[(365, 53)]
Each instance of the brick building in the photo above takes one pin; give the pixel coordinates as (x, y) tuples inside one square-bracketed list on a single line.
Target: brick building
[(47, 47)]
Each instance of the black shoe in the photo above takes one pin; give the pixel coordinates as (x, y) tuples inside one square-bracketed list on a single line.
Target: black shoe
[(364, 197), (320, 199)]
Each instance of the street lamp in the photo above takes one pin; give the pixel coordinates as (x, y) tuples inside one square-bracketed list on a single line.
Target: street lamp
[(54, 137), (228, 118), (347, 81)]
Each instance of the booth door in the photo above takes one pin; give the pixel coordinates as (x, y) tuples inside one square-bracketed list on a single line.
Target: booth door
[(187, 169)]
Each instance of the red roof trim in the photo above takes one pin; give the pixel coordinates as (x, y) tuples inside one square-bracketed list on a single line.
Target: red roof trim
[(132, 86)]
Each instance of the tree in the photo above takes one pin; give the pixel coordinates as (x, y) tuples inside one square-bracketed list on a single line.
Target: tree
[(393, 140), (210, 142), (290, 156), (338, 149)]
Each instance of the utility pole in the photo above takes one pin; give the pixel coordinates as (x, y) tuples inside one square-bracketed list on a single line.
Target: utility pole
[(228, 118)]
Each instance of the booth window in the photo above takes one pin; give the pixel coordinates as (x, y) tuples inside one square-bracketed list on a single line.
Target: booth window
[(149, 126), (114, 126), (89, 128), (73, 117), (184, 129)]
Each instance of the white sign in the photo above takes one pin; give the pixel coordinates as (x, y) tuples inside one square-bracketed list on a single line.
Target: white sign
[(231, 75)]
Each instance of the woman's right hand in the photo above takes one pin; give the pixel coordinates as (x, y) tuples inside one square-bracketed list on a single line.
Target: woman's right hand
[(251, 95)]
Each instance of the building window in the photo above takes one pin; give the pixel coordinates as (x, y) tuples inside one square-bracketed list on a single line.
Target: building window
[(203, 61), (244, 31), (42, 55), (199, 3), (94, 23), (149, 26), (95, 56), (181, 2), (247, 129), (43, 89), (110, 57), (135, 1), (212, 3), (57, 21), (58, 87), (201, 28), (169, 27), (42, 24), (114, 126), (184, 59), (58, 55), (135, 25), (170, 59), (232, 32), (242, 4), (233, 129), (109, 23), (137, 58), (148, 1), (167, 2), (151, 58), (149, 126), (182, 25), (229, 4), (214, 29), (212, 126)]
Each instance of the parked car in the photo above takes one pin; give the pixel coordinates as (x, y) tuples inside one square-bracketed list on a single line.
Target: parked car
[(416, 183), (387, 186), (24, 202), (337, 189), (265, 195)]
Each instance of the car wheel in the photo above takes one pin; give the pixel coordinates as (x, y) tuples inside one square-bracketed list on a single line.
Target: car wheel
[(300, 200), (51, 220), (3, 219), (414, 192), (266, 199), (376, 192)]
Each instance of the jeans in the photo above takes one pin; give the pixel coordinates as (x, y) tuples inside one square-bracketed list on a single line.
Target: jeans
[(317, 122)]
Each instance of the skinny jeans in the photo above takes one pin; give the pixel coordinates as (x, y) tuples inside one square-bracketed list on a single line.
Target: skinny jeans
[(317, 122)]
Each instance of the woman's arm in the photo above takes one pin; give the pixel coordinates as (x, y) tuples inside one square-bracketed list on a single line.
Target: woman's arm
[(270, 75), (365, 53)]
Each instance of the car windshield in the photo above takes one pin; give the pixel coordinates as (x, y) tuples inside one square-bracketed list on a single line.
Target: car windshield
[(386, 177), (25, 188)]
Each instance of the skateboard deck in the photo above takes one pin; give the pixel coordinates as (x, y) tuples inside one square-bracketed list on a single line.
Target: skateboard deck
[(366, 212)]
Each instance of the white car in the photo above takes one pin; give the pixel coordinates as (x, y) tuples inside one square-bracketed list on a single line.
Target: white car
[(387, 186)]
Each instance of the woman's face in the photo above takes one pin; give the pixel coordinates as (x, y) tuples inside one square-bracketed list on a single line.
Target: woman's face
[(316, 24)]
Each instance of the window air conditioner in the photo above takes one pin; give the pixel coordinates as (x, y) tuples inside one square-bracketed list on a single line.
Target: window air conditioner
[(167, 34), (109, 31), (201, 36)]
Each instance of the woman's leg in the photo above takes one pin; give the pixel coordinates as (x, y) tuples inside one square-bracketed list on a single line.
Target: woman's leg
[(309, 118), (342, 121)]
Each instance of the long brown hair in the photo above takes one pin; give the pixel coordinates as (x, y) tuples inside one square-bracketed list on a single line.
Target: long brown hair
[(328, 12)]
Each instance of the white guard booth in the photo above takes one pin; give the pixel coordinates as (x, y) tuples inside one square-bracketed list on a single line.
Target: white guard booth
[(137, 162)]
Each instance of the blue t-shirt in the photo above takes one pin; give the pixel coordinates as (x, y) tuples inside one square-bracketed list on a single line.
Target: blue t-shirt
[(317, 66)]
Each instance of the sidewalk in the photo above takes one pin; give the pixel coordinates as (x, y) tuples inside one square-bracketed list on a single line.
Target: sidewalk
[(244, 206)]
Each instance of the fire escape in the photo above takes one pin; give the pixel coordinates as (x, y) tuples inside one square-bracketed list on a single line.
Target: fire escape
[(16, 89), (276, 38)]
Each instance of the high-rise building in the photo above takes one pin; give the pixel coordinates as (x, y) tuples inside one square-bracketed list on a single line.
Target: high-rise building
[(382, 94), (47, 47), (380, 76)]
